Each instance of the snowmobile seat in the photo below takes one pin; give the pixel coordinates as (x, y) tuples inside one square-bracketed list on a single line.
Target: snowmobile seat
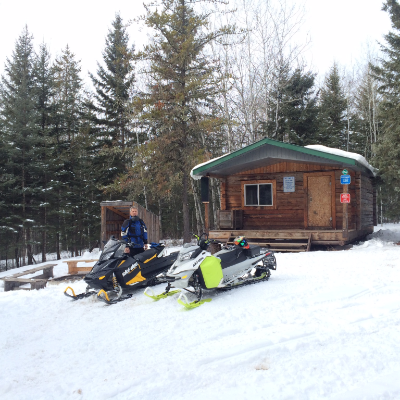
[(252, 251), (231, 257), (146, 255)]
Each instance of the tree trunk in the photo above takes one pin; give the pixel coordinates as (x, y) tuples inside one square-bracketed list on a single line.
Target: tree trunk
[(199, 215), (214, 196), (16, 258), (58, 245), (185, 209), (160, 215)]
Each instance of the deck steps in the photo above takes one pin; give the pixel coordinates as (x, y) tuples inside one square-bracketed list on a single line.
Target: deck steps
[(278, 245)]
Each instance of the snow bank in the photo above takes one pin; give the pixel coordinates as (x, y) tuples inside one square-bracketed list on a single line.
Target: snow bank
[(325, 326)]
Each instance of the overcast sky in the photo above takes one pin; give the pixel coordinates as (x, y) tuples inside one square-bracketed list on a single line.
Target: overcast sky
[(339, 29)]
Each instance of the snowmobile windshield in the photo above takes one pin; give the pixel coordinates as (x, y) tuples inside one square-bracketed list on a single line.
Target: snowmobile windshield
[(111, 243), (120, 251), (187, 252), (109, 249)]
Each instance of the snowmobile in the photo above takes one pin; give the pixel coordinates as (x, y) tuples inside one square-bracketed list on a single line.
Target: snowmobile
[(116, 273), (232, 266)]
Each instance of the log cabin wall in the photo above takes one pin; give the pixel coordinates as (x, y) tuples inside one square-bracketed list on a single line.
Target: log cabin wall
[(368, 216), (288, 211)]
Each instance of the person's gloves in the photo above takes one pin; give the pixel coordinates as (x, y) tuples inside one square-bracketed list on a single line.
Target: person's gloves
[(127, 250), (146, 246)]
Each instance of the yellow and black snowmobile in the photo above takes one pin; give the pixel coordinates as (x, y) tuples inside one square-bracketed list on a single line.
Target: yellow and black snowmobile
[(116, 273)]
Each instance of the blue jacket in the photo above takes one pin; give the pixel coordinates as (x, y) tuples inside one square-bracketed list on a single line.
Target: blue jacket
[(134, 231)]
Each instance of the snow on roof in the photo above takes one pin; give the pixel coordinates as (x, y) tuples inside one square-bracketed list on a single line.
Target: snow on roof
[(360, 159), (197, 177), (357, 157)]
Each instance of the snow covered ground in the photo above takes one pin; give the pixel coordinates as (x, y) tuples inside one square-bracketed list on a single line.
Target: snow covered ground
[(325, 326)]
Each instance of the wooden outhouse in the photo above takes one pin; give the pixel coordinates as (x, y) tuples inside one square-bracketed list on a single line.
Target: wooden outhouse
[(289, 197), (113, 214)]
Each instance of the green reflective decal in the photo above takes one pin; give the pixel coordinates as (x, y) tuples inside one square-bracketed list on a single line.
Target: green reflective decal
[(211, 271)]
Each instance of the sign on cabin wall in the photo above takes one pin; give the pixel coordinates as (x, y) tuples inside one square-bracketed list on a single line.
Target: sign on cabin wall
[(288, 183), (345, 197), (345, 179)]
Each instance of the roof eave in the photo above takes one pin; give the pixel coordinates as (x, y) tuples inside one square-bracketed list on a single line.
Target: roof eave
[(205, 169)]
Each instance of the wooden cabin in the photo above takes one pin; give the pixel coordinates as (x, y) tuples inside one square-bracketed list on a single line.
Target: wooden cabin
[(114, 213), (288, 197)]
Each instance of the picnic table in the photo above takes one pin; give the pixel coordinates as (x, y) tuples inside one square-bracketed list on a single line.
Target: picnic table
[(73, 268)]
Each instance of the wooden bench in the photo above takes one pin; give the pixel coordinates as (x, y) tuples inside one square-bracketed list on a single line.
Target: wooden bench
[(14, 283), (37, 282), (73, 268)]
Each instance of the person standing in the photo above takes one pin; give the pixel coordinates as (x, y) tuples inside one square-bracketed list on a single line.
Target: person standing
[(134, 231)]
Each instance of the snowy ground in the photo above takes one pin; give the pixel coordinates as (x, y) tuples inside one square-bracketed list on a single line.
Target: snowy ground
[(325, 326)]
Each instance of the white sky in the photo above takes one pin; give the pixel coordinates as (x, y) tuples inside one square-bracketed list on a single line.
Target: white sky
[(339, 30)]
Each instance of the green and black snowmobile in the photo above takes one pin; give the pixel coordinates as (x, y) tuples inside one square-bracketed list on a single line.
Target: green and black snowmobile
[(197, 270), (116, 273)]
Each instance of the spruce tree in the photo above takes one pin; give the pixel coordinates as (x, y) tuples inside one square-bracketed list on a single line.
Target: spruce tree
[(302, 108), (44, 95), (332, 115), (365, 123), (111, 103), (293, 115), (180, 105), (66, 118), (387, 158), (20, 138), (279, 97)]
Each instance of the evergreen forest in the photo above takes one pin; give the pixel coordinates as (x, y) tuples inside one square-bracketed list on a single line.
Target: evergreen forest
[(214, 77)]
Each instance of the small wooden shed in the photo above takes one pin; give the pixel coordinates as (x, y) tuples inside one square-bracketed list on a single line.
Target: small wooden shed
[(113, 214), (288, 197)]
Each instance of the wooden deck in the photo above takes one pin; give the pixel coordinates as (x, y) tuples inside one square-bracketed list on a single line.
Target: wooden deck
[(292, 239)]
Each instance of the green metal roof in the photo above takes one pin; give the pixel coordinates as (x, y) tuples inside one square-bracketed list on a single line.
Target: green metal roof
[(268, 151)]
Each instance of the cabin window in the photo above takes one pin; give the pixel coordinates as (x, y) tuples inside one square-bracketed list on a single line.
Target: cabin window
[(258, 194)]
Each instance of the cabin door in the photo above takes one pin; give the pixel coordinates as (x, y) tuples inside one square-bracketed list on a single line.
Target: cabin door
[(319, 201)]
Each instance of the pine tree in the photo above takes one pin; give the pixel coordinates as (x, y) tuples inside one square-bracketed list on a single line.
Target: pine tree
[(333, 104), (388, 148), (20, 137), (180, 105), (113, 91)]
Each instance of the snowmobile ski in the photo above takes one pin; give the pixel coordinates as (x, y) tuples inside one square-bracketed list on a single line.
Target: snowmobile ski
[(182, 299), (163, 295), (105, 297), (78, 296)]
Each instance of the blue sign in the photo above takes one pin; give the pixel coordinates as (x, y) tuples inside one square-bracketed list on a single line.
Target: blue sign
[(345, 179)]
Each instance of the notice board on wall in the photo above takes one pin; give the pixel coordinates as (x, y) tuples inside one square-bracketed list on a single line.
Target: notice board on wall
[(288, 184)]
